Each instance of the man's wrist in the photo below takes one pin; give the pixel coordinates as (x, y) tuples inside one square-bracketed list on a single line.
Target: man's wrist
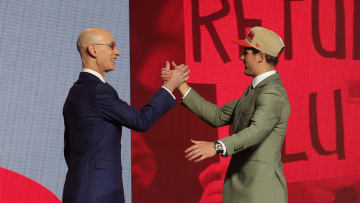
[(184, 88), (169, 87), (168, 91), (187, 92)]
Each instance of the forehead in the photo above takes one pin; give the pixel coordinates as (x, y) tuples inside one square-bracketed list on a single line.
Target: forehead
[(103, 36), (248, 51), (108, 36)]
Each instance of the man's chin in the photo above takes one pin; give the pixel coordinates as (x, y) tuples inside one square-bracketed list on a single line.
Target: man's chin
[(246, 73), (110, 69)]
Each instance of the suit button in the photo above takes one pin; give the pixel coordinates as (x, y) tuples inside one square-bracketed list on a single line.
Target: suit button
[(238, 148)]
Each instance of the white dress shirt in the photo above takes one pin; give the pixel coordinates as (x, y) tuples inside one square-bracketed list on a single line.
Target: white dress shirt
[(98, 75), (261, 77)]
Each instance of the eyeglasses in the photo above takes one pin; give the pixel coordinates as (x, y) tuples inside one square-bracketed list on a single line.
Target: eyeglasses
[(111, 45)]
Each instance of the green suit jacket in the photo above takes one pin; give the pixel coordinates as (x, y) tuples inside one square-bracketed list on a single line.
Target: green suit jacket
[(259, 119)]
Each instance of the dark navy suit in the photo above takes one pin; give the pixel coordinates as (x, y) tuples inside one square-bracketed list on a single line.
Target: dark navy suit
[(94, 116)]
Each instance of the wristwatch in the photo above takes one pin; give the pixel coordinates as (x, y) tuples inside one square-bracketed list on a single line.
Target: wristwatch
[(218, 147)]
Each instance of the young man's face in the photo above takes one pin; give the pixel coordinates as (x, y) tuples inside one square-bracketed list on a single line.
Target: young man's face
[(250, 61)]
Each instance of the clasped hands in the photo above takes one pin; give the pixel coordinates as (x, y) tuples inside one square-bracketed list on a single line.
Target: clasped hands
[(200, 150), (172, 79)]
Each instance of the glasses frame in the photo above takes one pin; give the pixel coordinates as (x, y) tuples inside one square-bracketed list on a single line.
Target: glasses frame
[(111, 45)]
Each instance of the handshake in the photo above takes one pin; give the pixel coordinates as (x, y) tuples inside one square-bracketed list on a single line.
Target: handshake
[(173, 79), (177, 78)]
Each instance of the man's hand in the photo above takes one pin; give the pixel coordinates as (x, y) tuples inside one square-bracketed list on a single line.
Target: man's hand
[(200, 150), (166, 74), (177, 76)]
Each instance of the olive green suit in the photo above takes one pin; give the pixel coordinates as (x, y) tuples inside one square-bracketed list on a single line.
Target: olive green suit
[(259, 118)]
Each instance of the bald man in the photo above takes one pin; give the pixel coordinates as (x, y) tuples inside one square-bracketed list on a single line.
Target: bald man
[(94, 115)]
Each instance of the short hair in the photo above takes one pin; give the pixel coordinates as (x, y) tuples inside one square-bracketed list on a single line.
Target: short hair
[(272, 60)]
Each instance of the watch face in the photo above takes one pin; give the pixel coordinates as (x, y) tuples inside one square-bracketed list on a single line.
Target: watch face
[(218, 147)]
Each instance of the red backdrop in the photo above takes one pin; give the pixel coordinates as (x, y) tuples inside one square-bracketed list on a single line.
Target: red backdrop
[(320, 70), (16, 188)]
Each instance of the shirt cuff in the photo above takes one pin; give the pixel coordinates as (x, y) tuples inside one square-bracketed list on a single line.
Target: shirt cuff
[(169, 92), (223, 146), (186, 93)]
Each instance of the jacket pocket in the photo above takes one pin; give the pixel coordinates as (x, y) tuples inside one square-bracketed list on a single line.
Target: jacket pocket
[(108, 165)]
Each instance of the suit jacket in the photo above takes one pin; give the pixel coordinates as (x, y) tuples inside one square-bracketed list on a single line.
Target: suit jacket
[(259, 119), (94, 116)]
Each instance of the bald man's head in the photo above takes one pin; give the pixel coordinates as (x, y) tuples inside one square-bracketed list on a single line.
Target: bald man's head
[(91, 36), (98, 50)]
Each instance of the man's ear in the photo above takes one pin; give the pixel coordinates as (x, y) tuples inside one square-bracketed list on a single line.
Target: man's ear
[(261, 57), (91, 50)]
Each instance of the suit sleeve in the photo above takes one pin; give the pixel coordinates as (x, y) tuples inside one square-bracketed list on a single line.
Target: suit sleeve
[(123, 114), (212, 114), (269, 107)]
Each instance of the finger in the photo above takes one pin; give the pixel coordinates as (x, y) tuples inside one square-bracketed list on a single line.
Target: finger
[(165, 79), (186, 74), (192, 153), (185, 68), (200, 159), (165, 75), (180, 66), (184, 79), (174, 64), (195, 156), (191, 148), (167, 65), (165, 70), (194, 141)]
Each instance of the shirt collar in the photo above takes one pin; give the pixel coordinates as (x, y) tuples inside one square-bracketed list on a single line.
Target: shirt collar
[(98, 75), (262, 77)]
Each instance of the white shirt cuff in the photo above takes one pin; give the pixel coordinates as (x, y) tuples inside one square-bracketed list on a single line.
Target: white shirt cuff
[(223, 146), (186, 93), (169, 92)]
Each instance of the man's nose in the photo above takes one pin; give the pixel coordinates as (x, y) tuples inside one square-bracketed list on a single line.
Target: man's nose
[(117, 52)]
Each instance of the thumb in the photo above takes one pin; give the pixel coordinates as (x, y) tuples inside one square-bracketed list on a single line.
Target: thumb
[(167, 65), (174, 64), (193, 141)]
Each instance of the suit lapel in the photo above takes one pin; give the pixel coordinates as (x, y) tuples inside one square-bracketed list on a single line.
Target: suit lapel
[(246, 107)]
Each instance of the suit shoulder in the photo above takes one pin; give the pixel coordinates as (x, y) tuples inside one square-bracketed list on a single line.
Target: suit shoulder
[(104, 88), (105, 93), (272, 92), (275, 88)]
